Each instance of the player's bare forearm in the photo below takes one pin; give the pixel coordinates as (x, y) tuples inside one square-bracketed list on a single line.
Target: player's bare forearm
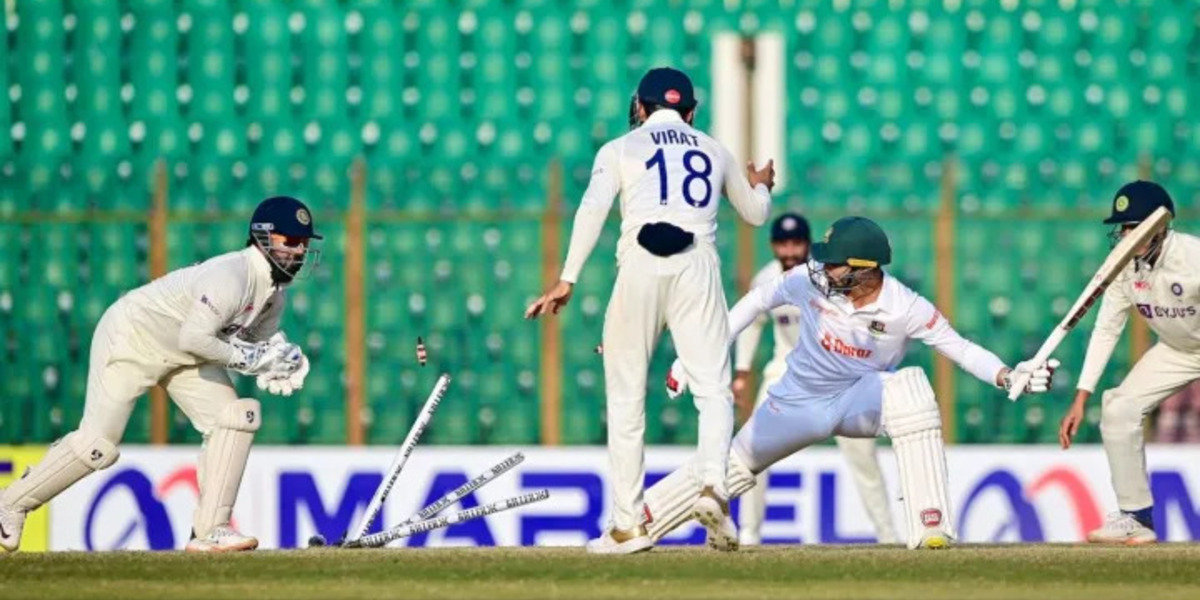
[(1000, 376), (1074, 417), (1082, 396)]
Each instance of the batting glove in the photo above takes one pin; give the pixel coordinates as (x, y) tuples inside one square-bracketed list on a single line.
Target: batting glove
[(676, 380), (1041, 377)]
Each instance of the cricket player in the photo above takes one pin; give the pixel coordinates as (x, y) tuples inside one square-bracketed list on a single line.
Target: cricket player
[(856, 323), (669, 176), (790, 241), (183, 331), (1163, 285)]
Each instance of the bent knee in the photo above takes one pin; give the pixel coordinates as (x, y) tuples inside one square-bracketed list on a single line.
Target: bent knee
[(1119, 413)]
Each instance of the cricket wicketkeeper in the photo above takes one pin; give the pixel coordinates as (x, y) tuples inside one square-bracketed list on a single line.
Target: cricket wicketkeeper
[(183, 331)]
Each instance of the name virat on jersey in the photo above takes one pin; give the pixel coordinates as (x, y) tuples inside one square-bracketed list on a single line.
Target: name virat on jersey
[(671, 136)]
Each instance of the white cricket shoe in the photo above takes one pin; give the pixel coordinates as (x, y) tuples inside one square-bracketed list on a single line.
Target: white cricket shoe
[(713, 513), (12, 522), (223, 538), (617, 541), (1122, 528)]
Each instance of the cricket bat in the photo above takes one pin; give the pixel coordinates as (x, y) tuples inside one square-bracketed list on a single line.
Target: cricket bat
[(1112, 266)]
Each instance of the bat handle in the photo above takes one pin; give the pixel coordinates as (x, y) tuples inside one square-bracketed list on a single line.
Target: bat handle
[(1019, 381)]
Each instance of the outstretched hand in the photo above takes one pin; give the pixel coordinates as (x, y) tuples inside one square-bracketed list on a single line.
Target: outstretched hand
[(552, 301)]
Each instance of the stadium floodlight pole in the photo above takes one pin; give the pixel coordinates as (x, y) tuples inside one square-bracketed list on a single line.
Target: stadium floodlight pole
[(377, 540), (410, 443), (1105, 275)]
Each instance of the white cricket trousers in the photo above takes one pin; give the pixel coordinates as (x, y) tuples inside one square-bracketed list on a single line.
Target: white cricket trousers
[(684, 294), (861, 457), (121, 369), (779, 428), (1162, 371)]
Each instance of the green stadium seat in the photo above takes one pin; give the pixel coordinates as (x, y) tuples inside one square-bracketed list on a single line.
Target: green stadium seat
[(380, 42), (323, 51), (268, 39)]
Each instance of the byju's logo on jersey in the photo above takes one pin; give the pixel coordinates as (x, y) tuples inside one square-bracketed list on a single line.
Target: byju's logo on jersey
[(1166, 312), (836, 346)]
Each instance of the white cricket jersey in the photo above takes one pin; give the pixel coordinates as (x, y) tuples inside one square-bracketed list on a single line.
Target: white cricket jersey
[(1166, 296), (187, 316), (664, 171), (785, 320), (837, 344)]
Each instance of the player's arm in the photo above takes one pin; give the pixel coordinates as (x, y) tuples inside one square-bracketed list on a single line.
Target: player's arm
[(745, 348), (927, 324), (593, 211), (751, 307), (747, 342), (286, 376), (1110, 322), (267, 323), (750, 194), (218, 298)]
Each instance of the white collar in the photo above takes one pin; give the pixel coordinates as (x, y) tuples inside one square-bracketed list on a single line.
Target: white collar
[(882, 302), (260, 265), (663, 115)]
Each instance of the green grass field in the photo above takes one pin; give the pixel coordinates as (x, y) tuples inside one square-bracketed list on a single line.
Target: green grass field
[(1041, 571)]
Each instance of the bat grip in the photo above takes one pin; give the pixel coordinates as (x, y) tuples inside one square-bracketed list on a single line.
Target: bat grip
[(1019, 381)]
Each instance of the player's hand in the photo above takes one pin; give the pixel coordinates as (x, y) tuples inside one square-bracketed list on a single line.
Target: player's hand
[(1071, 421), (676, 380), (287, 377), (256, 358), (552, 301), (765, 176), (1041, 377), (741, 392)]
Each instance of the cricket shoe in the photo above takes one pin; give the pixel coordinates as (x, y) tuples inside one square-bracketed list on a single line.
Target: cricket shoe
[(1122, 528), (12, 521), (222, 538), (713, 513), (618, 541)]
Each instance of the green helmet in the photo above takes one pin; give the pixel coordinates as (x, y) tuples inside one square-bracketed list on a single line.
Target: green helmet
[(854, 241)]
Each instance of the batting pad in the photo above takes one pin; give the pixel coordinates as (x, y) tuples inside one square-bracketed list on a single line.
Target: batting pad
[(913, 421), (223, 462), (669, 502), (74, 457)]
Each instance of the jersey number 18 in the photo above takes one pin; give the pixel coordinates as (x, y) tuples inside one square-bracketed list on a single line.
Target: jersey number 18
[(701, 172)]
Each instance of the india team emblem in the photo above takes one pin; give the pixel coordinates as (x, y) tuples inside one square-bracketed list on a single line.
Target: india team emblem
[(1122, 203), (302, 216)]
